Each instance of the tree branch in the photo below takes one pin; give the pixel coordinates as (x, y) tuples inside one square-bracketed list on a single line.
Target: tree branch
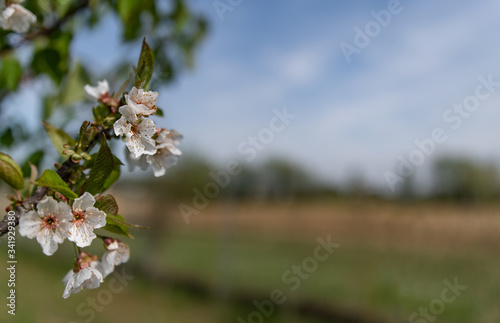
[(64, 172), (47, 31)]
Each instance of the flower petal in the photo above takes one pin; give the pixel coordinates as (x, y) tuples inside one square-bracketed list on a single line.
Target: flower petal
[(139, 145), (141, 162), (147, 128), (156, 164), (95, 217), (30, 224), (64, 213), (83, 202), (82, 234), (121, 127), (89, 278), (47, 206), (45, 239), (128, 113)]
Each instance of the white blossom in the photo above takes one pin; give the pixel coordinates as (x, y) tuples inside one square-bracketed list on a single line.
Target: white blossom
[(142, 102), (50, 224), (137, 132), (97, 92), (85, 275), (116, 253), (167, 153), (15, 17), (132, 161), (86, 218)]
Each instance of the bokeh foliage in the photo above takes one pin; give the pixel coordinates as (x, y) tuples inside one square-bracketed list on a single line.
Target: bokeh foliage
[(172, 30)]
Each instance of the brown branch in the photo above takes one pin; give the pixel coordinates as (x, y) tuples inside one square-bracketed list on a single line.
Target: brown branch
[(64, 172), (47, 31)]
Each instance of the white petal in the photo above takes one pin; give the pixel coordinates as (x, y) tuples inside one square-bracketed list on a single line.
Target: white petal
[(17, 18), (69, 281), (91, 92), (83, 202), (132, 161), (30, 224), (68, 276), (64, 213), (147, 128), (47, 206), (121, 127), (107, 264), (95, 218), (96, 92), (139, 145), (128, 112), (82, 234), (138, 109), (45, 239), (94, 281), (62, 232), (146, 99), (89, 278), (103, 87), (123, 254), (157, 165)]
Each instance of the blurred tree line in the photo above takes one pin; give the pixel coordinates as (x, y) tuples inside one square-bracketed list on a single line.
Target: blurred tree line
[(451, 178)]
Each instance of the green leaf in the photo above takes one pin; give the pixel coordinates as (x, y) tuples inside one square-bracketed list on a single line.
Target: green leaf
[(46, 61), (144, 66), (115, 174), (11, 72), (159, 112), (72, 90), (10, 172), (107, 204), (116, 224), (58, 137), (102, 168), (7, 139), (128, 9), (35, 158), (51, 57), (52, 180), (180, 15), (100, 113)]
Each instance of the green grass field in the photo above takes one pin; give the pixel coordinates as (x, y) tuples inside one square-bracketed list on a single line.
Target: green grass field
[(386, 282)]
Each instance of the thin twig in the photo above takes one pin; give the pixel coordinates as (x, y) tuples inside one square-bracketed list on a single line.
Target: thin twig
[(47, 31), (64, 172)]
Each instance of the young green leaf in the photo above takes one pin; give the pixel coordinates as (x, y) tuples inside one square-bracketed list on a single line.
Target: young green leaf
[(107, 204), (11, 72), (115, 224), (10, 172), (144, 66), (102, 168), (58, 137), (52, 180), (115, 174)]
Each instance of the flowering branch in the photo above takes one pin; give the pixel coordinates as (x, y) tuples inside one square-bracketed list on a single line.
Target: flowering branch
[(69, 204), (64, 172), (47, 31)]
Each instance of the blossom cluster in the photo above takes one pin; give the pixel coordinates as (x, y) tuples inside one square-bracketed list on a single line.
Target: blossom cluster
[(67, 203), (15, 17), (53, 222), (147, 144)]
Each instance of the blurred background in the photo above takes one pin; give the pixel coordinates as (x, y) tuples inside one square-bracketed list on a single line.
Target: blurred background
[(367, 124)]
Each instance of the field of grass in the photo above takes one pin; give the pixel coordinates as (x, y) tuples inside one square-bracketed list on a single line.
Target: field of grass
[(240, 249)]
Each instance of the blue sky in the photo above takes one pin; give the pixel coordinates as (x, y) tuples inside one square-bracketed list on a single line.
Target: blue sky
[(356, 117), (352, 118)]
